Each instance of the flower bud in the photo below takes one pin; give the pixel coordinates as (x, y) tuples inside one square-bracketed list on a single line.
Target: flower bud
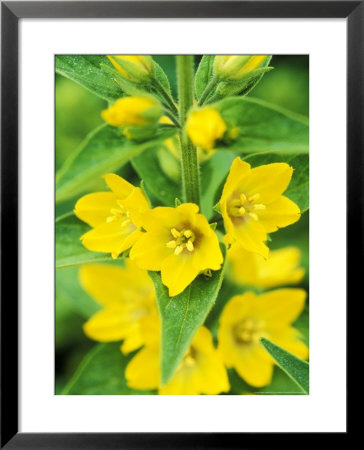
[(237, 67), (130, 111), (205, 126), (135, 68)]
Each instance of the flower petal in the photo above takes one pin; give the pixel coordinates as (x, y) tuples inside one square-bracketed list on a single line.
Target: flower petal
[(151, 250), (207, 254), (110, 285), (290, 340), (112, 324), (251, 236), (118, 185), (110, 238), (142, 372), (280, 307), (178, 272), (254, 367), (95, 208), (239, 170), (281, 213), (269, 181), (136, 204)]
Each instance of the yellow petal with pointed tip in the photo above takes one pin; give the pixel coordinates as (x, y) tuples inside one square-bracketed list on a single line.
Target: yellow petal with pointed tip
[(142, 372), (151, 250), (178, 272), (281, 213), (95, 208), (110, 285), (281, 306), (118, 185), (269, 181), (111, 238)]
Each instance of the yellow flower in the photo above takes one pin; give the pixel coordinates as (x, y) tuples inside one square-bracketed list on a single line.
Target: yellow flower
[(200, 372), (133, 67), (282, 267), (129, 111), (126, 295), (248, 317), (252, 205), (236, 67), (115, 216), (180, 243), (205, 126)]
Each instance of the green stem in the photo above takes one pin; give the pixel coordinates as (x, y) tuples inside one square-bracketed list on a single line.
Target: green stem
[(210, 86), (190, 166), (166, 96)]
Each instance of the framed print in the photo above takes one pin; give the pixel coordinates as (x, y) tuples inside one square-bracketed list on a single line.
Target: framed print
[(181, 191)]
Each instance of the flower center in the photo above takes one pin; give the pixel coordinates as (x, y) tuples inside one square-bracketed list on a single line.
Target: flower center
[(248, 331), (120, 214), (183, 239), (189, 359), (245, 206)]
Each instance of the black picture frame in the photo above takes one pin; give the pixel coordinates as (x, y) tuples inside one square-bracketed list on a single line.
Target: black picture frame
[(353, 11)]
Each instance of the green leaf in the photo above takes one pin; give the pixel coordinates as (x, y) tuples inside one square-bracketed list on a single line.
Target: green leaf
[(281, 384), (162, 78), (104, 150), (86, 70), (182, 315), (156, 181), (69, 249), (102, 373), (263, 127), (295, 368), (203, 74), (213, 173), (298, 188)]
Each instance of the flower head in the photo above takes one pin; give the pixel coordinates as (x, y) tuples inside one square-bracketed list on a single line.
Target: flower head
[(200, 372), (236, 67), (133, 111), (205, 126), (126, 295), (282, 267), (135, 68), (248, 317), (180, 243), (252, 204), (115, 216)]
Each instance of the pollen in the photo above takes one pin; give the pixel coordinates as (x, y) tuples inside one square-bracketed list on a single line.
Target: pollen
[(183, 240), (249, 331), (245, 206), (119, 214)]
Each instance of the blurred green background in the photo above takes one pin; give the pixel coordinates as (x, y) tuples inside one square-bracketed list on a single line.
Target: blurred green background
[(78, 113)]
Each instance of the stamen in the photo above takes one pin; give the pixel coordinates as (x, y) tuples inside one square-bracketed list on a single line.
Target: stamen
[(175, 233), (259, 207), (189, 361), (178, 250), (190, 246), (245, 336), (171, 244), (116, 212), (187, 233), (125, 222), (242, 210), (110, 219), (253, 198), (235, 202), (253, 216), (243, 198)]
